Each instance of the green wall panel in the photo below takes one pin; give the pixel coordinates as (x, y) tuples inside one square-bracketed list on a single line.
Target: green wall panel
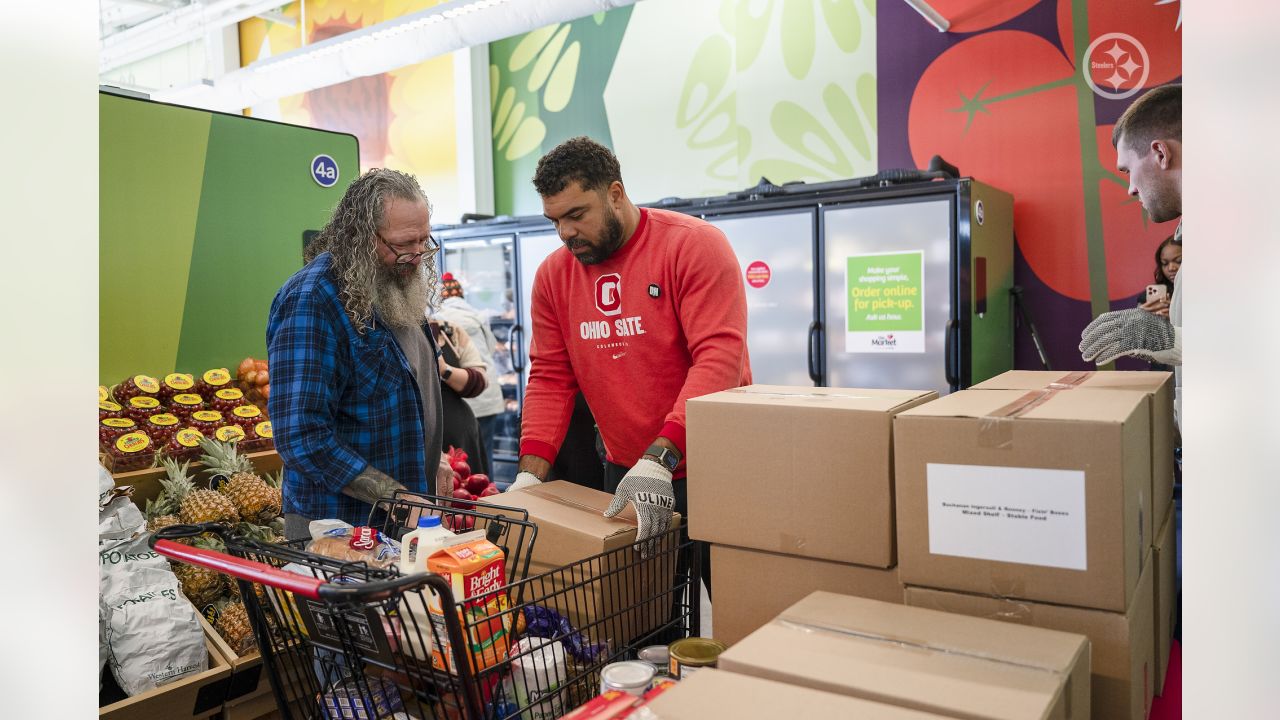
[(201, 222), (258, 198), (151, 165)]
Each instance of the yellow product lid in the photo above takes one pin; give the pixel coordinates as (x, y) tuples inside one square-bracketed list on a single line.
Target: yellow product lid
[(142, 402), (119, 422), (229, 433), (179, 381), (207, 416), (189, 437), (146, 383), (163, 419), (103, 393), (188, 399), (247, 411), (217, 376), (230, 394), (109, 406), (134, 442), (263, 429)]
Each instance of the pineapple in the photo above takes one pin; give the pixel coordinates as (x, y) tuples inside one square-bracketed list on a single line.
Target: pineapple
[(233, 625), (196, 505), (161, 512), (255, 500)]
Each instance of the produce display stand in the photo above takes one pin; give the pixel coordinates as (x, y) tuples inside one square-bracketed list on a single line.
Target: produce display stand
[(248, 680), (196, 696), (146, 482)]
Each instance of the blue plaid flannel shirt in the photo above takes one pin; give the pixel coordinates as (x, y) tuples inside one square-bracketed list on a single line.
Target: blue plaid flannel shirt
[(340, 401)]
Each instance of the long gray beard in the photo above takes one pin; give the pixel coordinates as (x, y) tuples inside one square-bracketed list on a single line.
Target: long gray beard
[(401, 301)]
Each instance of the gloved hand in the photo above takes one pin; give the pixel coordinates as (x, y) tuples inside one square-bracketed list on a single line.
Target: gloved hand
[(1133, 332), (523, 480), (647, 485)]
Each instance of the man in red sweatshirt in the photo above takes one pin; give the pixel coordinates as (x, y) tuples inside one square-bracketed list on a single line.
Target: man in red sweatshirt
[(641, 309)]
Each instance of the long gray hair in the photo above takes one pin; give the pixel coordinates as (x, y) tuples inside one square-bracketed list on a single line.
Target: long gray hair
[(351, 234)]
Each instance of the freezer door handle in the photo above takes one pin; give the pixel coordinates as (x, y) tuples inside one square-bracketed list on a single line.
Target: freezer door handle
[(517, 348), (815, 328), (951, 364)]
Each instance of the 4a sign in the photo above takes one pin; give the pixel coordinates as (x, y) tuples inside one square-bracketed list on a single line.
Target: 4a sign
[(324, 170)]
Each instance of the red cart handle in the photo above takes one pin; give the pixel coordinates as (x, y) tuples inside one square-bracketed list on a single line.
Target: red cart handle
[(251, 570)]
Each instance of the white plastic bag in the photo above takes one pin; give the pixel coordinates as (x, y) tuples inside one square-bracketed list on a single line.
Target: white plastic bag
[(153, 633), (118, 516), (119, 560)]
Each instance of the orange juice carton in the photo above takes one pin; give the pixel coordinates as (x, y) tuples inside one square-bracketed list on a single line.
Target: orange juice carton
[(476, 571)]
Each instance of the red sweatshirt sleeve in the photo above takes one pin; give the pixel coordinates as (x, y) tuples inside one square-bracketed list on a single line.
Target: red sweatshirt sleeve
[(549, 396), (711, 304)]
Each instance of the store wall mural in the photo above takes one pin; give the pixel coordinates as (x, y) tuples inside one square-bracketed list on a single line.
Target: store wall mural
[(1024, 95), (708, 97), (696, 99), (405, 119)]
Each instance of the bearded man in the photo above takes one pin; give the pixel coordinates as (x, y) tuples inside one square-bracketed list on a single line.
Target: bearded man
[(355, 402)]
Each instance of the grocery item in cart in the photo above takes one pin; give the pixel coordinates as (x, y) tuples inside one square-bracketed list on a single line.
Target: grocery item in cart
[(630, 676), (543, 622), (340, 541), (476, 571), (375, 698), (688, 655), (538, 669)]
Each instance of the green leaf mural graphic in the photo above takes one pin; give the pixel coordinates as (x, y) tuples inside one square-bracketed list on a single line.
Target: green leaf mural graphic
[(749, 31), (797, 37), (844, 23), (547, 57), (707, 78)]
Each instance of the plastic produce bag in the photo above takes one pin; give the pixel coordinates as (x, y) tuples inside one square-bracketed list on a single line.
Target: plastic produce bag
[(154, 634), (118, 517), (118, 560)]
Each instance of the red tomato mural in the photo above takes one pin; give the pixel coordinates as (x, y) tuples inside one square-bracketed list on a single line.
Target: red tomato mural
[(1004, 97)]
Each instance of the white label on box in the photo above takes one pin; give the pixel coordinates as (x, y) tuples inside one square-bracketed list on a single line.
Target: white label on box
[(1031, 516)]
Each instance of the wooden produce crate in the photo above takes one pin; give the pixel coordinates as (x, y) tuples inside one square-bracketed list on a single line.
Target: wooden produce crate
[(248, 676), (146, 483), (195, 696)]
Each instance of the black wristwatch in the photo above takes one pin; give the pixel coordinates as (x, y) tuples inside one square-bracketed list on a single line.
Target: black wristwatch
[(448, 371), (666, 457)]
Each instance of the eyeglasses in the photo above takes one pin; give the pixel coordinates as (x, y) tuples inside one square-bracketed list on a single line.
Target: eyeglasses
[(404, 258)]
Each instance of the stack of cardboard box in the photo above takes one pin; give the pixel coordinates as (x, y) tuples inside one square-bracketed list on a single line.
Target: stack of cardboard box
[(1033, 499), (794, 488)]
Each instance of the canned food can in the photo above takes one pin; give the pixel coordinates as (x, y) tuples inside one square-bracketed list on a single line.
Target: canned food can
[(692, 654), (631, 676), (657, 656)]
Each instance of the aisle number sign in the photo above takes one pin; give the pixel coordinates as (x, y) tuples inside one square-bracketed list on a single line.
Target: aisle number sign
[(885, 297)]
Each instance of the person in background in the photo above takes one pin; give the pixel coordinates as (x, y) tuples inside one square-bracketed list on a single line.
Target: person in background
[(641, 309), (462, 376), (489, 404), (1148, 141), (1168, 261), (356, 397)]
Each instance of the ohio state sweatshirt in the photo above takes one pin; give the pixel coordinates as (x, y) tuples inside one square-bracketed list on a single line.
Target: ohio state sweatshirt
[(662, 320)]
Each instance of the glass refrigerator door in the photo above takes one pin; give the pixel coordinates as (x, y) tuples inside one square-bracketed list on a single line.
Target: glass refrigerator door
[(485, 267), (775, 252), (888, 294), (534, 248)]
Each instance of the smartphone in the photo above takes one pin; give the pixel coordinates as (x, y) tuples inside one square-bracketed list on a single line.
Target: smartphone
[(1157, 292)]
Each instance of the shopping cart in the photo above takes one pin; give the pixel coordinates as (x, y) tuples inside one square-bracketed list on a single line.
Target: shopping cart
[(342, 639)]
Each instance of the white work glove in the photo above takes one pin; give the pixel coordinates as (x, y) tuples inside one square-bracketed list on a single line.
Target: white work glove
[(523, 480), (647, 485), (1133, 332)]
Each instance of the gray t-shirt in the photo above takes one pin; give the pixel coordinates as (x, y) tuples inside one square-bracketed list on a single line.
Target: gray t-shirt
[(422, 359)]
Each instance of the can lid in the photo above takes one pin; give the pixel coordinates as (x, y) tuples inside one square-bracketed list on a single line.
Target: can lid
[(654, 655), (629, 673), (429, 521), (697, 650)]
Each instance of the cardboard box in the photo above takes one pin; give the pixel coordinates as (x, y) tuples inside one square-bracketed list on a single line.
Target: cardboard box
[(1165, 564), (920, 659), (796, 470), (1123, 648), (1013, 494), (720, 694), (1157, 385), (199, 695), (618, 598), (750, 587)]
